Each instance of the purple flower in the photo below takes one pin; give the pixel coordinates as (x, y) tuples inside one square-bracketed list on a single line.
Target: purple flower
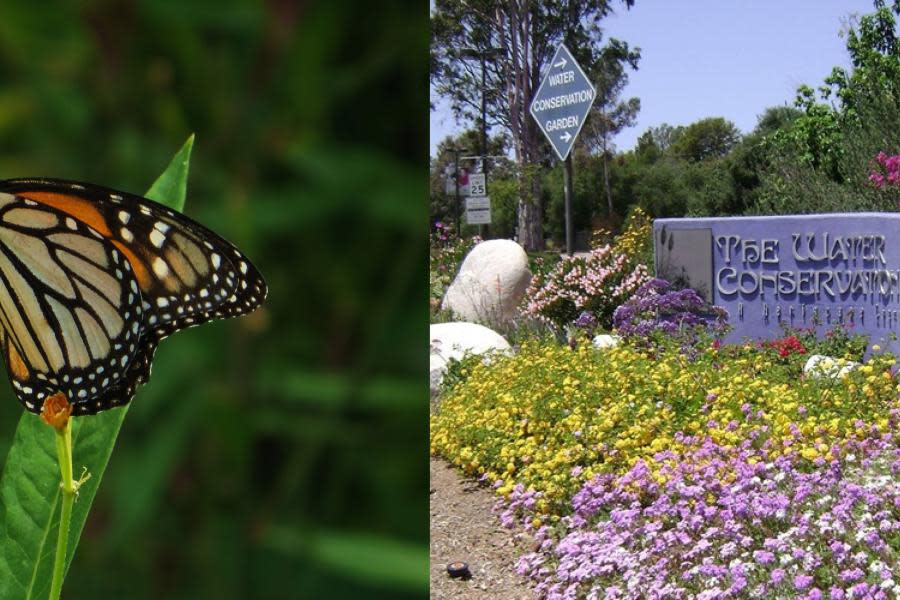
[(629, 530), (801, 582), (586, 320), (679, 313)]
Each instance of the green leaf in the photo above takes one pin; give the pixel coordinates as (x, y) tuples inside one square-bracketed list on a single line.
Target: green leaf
[(29, 485), (170, 188)]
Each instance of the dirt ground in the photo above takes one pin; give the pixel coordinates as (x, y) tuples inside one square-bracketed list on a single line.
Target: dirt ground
[(463, 528)]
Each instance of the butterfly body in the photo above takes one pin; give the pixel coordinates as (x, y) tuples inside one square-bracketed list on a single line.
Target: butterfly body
[(91, 280)]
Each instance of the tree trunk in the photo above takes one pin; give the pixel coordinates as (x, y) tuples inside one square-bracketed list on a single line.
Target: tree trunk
[(531, 218), (531, 214), (515, 26), (609, 202)]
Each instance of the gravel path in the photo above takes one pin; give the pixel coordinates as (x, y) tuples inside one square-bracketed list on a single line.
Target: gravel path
[(463, 528)]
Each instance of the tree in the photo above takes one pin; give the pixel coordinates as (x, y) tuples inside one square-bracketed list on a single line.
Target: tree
[(750, 159), (609, 113), (513, 40), (666, 135), (821, 161), (775, 118), (875, 55), (656, 141), (713, 137)]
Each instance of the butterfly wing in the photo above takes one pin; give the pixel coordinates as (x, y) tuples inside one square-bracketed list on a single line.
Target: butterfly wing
[(176, 274), (187, 273), (70, 306)]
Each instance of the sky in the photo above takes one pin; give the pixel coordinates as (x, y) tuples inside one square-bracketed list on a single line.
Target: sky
[(706, 58)]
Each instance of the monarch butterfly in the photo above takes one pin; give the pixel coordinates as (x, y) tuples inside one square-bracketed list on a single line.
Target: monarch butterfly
[(91, 280)]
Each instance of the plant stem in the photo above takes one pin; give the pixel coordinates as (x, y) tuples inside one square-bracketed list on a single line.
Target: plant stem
[(64, 452)]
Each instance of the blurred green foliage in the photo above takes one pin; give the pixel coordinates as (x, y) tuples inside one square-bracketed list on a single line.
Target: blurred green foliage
[(279, 455)]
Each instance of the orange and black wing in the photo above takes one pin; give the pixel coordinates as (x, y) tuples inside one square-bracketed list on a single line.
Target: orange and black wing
[(92, 279)]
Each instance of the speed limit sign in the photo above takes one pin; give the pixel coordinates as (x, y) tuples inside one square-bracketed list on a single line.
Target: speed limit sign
[(477, 185)]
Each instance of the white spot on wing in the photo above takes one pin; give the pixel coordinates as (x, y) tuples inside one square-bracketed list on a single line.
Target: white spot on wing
[(160, 267), (157, 238)]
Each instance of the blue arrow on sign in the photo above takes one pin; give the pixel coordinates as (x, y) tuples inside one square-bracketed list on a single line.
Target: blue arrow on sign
[(563, 101)]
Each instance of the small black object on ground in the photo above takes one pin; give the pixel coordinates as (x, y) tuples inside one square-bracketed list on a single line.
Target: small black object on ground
[(459, 570)]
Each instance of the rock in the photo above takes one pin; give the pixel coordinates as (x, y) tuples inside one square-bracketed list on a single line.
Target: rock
[(606, 341), (820, 365), (490, 284), (453, 341)]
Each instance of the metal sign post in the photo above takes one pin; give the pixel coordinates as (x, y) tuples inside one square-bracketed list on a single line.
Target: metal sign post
[(567, 176), (560, 107)]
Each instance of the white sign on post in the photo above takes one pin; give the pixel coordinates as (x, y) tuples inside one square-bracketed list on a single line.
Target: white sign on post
[(478, 210), (477, 184), (450, 186)]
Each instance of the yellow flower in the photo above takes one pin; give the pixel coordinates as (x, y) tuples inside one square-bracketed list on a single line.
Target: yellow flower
[(531, 417)]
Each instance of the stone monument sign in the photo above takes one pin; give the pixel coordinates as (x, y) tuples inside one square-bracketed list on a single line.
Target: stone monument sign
[(800, 270)]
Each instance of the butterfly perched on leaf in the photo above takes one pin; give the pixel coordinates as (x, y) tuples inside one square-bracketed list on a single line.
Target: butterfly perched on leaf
[(91, 280)]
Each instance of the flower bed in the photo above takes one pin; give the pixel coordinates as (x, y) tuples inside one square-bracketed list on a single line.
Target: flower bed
[(548, 412), (729, 522), (725, 473)]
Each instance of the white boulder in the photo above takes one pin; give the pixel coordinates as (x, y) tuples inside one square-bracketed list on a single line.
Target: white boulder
[(450, 341), (490, 284), (606, 341), (820, 365)]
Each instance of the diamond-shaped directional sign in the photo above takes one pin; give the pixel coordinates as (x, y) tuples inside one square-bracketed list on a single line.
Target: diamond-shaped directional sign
[(563, 101)]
